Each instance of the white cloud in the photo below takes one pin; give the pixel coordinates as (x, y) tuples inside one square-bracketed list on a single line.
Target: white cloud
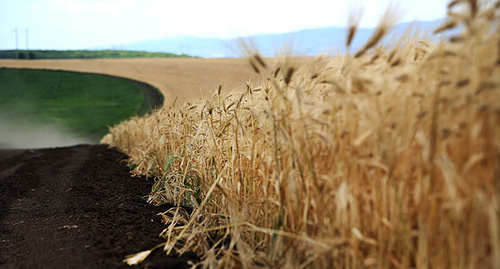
[(225, 18), (90, 23), (80, 6)]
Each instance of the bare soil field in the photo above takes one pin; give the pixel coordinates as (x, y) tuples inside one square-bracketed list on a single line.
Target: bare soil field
[(174, 77), (76, 207)]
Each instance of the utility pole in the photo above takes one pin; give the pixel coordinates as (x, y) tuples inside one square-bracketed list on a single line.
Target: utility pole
[(17, 44), (27, 47)]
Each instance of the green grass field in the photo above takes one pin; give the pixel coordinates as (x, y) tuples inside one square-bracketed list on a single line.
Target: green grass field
[(84, 54), (84, 104)]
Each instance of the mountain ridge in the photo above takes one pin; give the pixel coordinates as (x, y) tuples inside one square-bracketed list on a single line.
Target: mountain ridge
[(306, 42)]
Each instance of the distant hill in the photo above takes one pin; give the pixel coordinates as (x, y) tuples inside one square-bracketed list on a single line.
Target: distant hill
[(84, 54), (305, 42)]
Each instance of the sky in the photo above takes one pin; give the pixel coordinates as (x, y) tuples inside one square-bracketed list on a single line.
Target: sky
[(87, 24)]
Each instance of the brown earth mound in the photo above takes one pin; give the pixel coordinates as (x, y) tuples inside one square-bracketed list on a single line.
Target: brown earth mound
[(76, 207)]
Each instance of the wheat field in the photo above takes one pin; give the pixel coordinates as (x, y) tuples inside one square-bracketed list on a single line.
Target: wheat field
[(386, 157)]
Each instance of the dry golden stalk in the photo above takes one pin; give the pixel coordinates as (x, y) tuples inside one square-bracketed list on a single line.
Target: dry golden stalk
[(473, 5), (276, 72), (455, 2), (372, 41), (489, 14), (260, 60), (388, 20), (354, 19), (350, 34), (254, 66), (289, 74), (396, 62), (391, 55), (456, 39), (446, 26)]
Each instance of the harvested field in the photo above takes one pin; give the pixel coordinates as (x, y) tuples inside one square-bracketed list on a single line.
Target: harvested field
[(174, 77)]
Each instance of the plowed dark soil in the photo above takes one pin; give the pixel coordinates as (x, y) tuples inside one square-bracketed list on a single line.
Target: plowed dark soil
[(76, 207)]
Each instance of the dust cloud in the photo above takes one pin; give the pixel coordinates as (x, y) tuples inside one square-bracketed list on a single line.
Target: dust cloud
[(23, 135)]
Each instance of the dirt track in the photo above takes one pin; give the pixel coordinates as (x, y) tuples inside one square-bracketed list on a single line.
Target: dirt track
[(75, 207)]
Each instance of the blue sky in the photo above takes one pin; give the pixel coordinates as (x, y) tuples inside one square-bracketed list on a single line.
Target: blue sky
[(84, 24)]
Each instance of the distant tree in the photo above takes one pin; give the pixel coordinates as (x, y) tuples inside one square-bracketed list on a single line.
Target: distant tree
[(32, 55), (21, 55)]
